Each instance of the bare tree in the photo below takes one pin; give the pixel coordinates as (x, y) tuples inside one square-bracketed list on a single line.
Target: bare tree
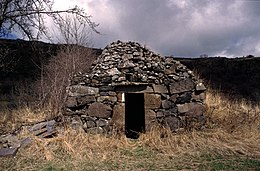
[(27, 17), (70, 30), (72, 58)]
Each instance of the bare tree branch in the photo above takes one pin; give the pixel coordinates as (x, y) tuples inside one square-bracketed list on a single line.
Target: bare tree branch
[(27, 16)]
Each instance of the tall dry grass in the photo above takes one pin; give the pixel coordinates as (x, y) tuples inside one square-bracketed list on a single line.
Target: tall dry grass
[(232, 128)]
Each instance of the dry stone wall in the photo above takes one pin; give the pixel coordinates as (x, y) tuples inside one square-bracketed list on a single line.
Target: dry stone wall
[(172, 94)]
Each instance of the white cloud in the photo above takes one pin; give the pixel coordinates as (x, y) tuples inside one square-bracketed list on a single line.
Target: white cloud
[(178, 27)]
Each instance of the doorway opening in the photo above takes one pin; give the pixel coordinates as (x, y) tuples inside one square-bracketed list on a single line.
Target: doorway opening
[(134, 115)]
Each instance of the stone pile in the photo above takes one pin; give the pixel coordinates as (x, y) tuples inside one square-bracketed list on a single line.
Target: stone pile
[(95, 101)]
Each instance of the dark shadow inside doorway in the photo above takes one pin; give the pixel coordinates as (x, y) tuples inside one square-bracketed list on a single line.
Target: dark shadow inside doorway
[(134, 115)]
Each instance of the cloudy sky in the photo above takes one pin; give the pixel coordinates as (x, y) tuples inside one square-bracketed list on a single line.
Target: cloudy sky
[(186, 28)]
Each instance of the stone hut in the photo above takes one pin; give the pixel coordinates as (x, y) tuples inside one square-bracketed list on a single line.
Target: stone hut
[(131, 88)]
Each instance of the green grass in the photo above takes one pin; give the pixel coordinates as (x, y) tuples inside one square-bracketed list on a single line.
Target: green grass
[(219, 162)]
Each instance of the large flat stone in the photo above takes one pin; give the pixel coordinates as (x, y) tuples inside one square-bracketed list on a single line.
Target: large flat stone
[(83, 100), (182, 86), (118, 119), (80, 90), (160, 89), (191, 109), (150, 119), (8, 152), (99, 110), (152, 101)]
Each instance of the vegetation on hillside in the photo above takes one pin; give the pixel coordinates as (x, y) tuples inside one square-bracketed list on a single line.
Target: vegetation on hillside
[(238, 78)]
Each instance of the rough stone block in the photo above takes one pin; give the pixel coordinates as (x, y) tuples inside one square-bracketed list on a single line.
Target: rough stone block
[(182, 86), (172, 122), (76, 122), (152, 101), (83, 100), (80, 90), (95, 130), (198, 97), (162, 89), (191, 109), (150, 118), (166, 104), (71, 102), (90, 124), (99, 110), (8, 152), (118, 118), (184, 98), (200, 87), (102, 122), (107, 99), (174, 97)]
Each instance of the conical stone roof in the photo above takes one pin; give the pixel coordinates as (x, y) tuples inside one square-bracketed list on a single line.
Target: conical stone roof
[(126, 63)]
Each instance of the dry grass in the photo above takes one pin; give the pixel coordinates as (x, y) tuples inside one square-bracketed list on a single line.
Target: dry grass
[(231, 135), (11, 120)]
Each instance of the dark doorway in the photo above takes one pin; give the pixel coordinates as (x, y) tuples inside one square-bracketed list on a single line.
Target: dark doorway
[(134, 115)]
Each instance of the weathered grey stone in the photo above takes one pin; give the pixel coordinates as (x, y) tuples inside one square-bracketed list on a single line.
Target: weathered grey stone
[(95, 130), (8, 152), (99, 110), (196, 111), (198, 97), (118, 118), (113, 71), (172, 122), (184, 98), (88, 118), (79, 90), (182, 86), (150, 118), (102, 122), (71, 102), (160, 113), (166, 104), (10, 140), (106, 80), (90, 124), (200, 87), (152, 101), (191, 109), (76, 122), (174, 97), (24, 142), (106, 88), (160, 89), (82, 100), (107, 99), (170, 70)]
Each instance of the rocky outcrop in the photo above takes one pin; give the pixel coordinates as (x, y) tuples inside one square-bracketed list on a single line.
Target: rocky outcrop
[(171, 91)]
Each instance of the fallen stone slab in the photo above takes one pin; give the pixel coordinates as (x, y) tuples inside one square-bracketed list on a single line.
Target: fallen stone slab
[(8, 152), (44, 129)]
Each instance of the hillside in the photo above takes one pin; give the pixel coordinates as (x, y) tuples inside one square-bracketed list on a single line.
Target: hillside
[(238, 77)]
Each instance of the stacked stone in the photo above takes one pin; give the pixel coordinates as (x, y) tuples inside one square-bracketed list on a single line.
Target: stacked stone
[(172, 93)]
